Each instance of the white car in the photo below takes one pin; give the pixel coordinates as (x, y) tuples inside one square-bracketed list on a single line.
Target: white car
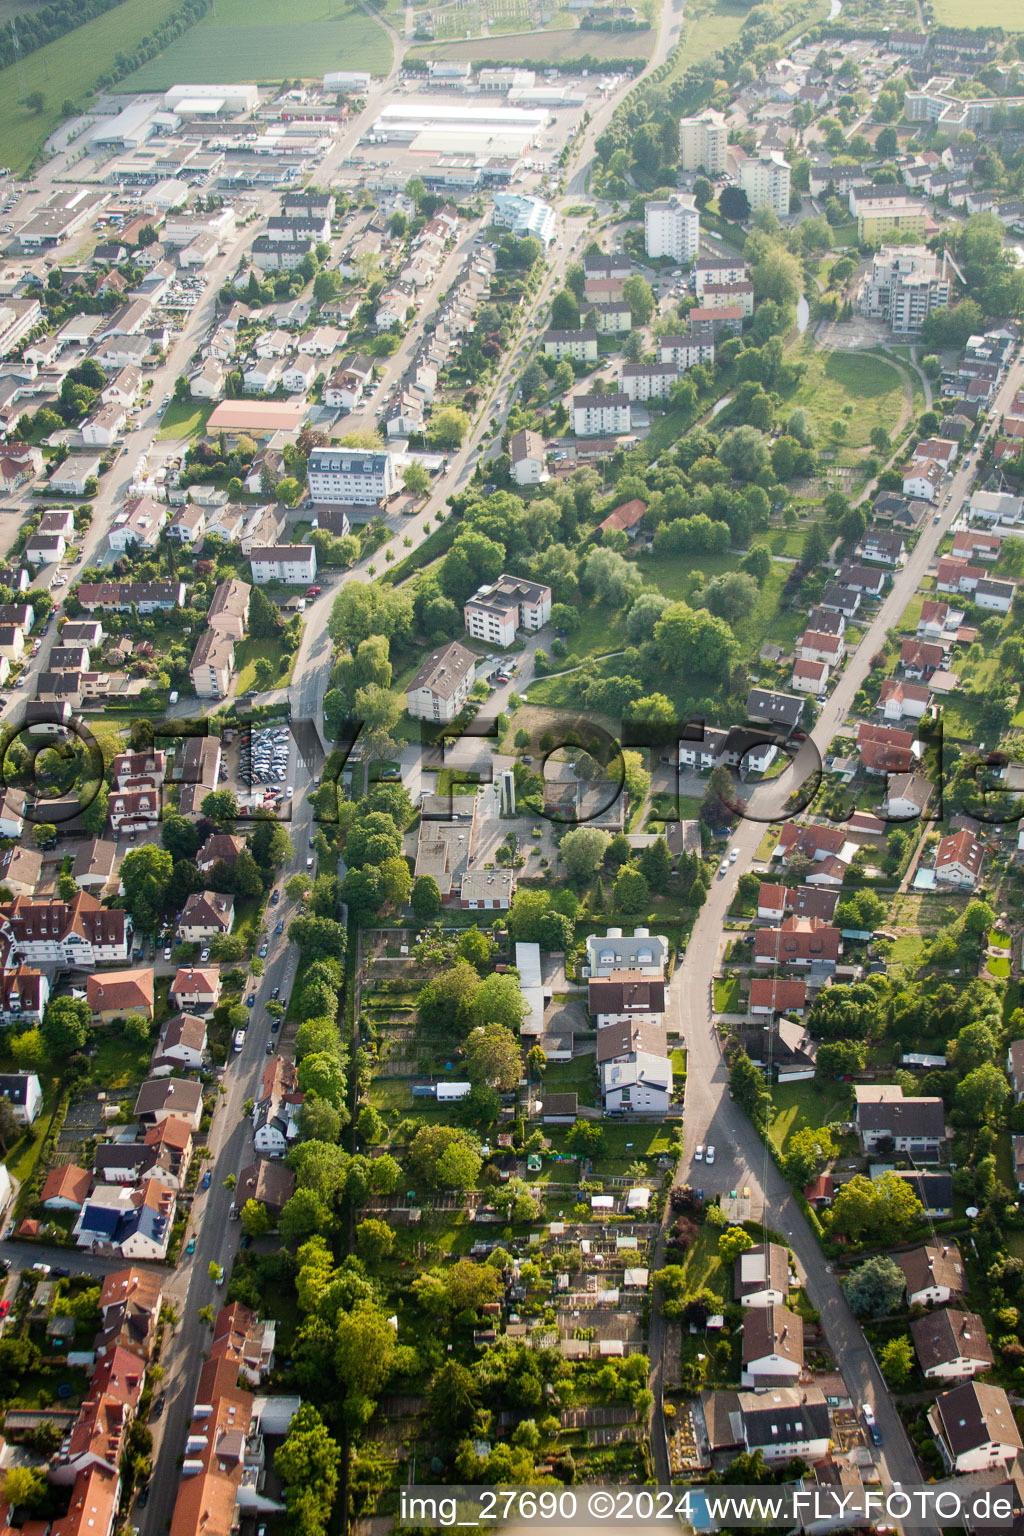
[(698, 1153), (167, 954), (733, 856), (204, 955), (709, 1155), (723, 868)]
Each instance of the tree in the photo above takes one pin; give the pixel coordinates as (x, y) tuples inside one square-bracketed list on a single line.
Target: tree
[(426, 898), (883, 1210), (307, 1464), (973, 1047), (744, 451), (66, 1026), (734, 204), (35, 101), (255, 1219), (493, 1057), (732, 1242), (145, 875), (565, 311), (981, 1096), (374, 1240), (703, 191), (265, 620), (44, 834), (582, 850), (445, 1155), (499, 1000), (447, 999), (875, 1288), (897, 1361), (454, 1398), (638, 295), (808, 1152), (220, 806), (25, 1488), (631, 892), (416, 480), (656, 864), (448, 427)]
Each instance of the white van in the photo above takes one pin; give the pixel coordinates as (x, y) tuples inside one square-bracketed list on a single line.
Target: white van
[(239, 1039)]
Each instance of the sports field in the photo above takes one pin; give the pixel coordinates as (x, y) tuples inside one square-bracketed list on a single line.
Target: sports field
[(252, 40), (67, 68)]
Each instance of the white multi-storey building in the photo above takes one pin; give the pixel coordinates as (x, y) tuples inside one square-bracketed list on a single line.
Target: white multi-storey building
[(498, 611), (356, 476), (672, 227), (766, 181), (597, 415), (703, 143), (442, 685), (291, 563)]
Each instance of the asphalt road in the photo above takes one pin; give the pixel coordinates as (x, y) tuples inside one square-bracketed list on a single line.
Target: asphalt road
[(710, 1114)]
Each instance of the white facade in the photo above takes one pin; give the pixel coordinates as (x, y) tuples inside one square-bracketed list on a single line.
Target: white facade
[(291, 563), (350, 475), (766, 181), (672, 227), (600, 415)]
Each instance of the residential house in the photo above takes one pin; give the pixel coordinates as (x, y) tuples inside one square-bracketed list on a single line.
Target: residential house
[(130, 1302), (274, 1117), (270, 1184), (761, 1276), (809, 676), (497, 612), (600, 415), (24, 1094), (65, 1188), (626, 1037), (579, 346), (115, 994), (207, 915), (76, 935), (884, 750), (773, 1347), (975, 1428), (163, 1096), (626, 995), (800, 941), (642, 1083), (180, 1046), (786, 1422), (292, 564), (526, 451), (195, 990), (914, 1126), (906, 796), (443, 683), (958, 859), (219, 848), (615, 951), (951, 1345), (772, 995)]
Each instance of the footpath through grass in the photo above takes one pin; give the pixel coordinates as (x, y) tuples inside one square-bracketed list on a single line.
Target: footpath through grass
[(262, 40)]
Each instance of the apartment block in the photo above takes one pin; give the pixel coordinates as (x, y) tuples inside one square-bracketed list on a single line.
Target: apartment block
[(497, 612)]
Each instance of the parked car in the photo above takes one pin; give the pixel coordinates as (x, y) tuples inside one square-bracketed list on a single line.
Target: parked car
[(250, 1001), (709, 1155), (190, 1246), (206, 1180)]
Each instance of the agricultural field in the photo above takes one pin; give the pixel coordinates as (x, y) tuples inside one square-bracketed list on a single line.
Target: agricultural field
[(543, 47), (989, 13), (249, 40), (67, 70)]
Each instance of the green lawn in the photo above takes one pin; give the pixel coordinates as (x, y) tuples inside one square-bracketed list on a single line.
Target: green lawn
[(796, 1105), (543, 46), (248, 652), (872, 386), (260, 40), (68, 68), (186, 418), (707, 28)]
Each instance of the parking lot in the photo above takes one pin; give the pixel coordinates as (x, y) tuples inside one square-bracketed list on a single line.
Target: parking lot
[(264, 762)]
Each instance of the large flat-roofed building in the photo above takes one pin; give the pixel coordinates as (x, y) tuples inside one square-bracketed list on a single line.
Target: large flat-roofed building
[(497, 612), (229, 98), (904, 285), (256, 418), (63, 215), (356, 476), (878, 217), (355, 80), (440, 124), (129, 128), (442, 684), (672, 227), (703, 143)]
